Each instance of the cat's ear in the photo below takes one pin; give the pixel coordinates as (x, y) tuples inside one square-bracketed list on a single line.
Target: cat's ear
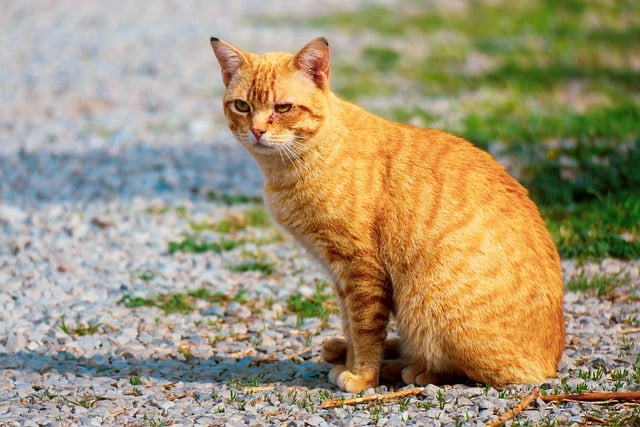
[(313, 60), (229, 57)]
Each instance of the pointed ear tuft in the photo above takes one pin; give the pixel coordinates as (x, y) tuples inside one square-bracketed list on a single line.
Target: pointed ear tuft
[(313, 59), (229, 57)]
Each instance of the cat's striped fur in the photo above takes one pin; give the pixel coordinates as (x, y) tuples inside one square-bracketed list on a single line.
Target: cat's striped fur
[(409, 222)]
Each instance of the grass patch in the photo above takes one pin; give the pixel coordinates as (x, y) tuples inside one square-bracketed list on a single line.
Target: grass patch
[(182, 302), (321, 304), (194, 245), (535, 45), (216, 297), (259, 265), (600, 284), (169, 303), (604, 227), (256, 217), (233, 199), (80, 329), (600, 130), (582, 172)]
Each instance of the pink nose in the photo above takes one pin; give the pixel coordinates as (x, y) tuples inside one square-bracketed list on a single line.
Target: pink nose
[(258, 133)]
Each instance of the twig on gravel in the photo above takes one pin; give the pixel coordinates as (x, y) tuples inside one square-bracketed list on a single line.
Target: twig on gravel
[(275, 358), (600, 396), (299, 353), (594, 419), (513, 412), (173, 397), (333, 403), (258, 389), (630, 331), (118, 413)]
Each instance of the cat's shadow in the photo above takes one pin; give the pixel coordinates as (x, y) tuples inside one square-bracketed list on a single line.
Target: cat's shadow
[(215, 369)]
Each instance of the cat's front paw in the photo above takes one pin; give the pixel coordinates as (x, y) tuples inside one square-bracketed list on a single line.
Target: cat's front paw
[(350, 382)]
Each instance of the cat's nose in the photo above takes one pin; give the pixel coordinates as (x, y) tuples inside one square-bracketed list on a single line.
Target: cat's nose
[(258, 133)]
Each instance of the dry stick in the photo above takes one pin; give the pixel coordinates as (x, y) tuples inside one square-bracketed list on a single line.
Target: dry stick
[(630, 331), (274, 358), (118, 413), (258, 389), (332, 403), (585, 397), (594, 419), (595, 396), (515, 410)]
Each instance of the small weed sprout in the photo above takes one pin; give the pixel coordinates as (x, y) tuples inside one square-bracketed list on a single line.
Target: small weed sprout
[(146, 275), (441, 399), (87, 402), (185, 351), (134, 379), (160, 422), (80, 329)]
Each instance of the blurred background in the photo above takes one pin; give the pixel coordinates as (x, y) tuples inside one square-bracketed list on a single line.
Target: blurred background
[(120, 99)]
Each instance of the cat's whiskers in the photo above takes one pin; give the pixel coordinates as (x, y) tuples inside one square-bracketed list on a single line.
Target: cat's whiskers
[(295, 160), (299, 150)]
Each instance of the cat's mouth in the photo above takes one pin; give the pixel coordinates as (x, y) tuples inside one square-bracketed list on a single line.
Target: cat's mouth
[(262, 144)]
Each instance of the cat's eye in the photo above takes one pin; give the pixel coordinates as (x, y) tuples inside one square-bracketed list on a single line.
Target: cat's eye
[(241, 106), (283, 108)]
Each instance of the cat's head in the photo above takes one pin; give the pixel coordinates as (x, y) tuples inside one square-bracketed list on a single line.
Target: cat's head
[(276, 102)]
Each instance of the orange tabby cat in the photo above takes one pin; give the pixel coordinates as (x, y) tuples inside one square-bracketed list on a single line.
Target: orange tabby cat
[(411, 222)]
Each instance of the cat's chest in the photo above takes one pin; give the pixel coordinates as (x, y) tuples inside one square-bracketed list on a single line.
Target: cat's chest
[(311, 222), (307, 221)]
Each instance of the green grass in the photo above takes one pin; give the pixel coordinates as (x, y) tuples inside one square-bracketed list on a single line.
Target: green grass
[(227, 230), (533, 46), (598, 131), (80, 329), (232, 199), (603, 227), (257, 264), (169, 303), (253, 217), (194, 245), (600, 284), (216, 297), (181, 302), (321, 304)]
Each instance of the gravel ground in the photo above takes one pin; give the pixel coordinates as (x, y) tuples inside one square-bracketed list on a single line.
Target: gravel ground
[(111, 142)]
